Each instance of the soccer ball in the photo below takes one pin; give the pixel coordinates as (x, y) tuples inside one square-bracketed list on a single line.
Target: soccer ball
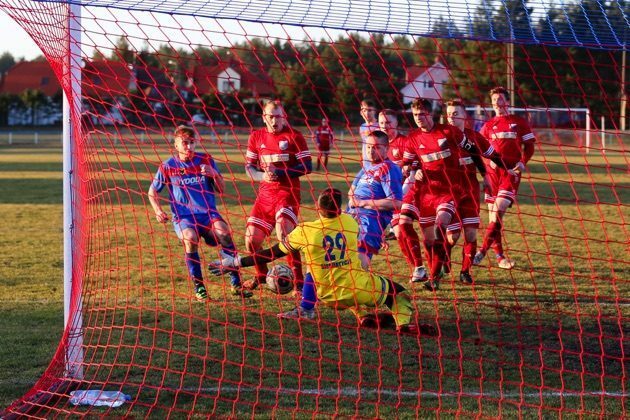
[(280, 279)]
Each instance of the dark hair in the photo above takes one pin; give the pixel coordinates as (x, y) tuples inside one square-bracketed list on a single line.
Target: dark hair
[(329, 202), (421, 103), (388, 112), (368, 102), (500, 90), (455, 102), (381, 136), (184, 131)]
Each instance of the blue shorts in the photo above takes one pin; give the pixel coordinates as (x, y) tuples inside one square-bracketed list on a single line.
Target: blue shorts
[(370, 231), (200, 223)]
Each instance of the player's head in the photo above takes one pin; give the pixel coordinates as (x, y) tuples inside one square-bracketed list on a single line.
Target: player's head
[(456, 113), (274, 117), (368, 111), (184, 141), (376, 146), (500, 98), (324, 122), (329, 203), (388, 122), (421, 110)]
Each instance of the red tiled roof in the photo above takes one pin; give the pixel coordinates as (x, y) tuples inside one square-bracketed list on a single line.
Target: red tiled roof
[(105, 78), (30, 75)]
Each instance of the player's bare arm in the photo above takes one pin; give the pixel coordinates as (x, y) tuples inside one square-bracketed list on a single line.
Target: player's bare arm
[(154, 199)]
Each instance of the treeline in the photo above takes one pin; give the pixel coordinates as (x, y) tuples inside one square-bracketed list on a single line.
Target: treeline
[(330, 77)]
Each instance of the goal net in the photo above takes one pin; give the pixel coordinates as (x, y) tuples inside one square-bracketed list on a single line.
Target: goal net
[(540, 328)]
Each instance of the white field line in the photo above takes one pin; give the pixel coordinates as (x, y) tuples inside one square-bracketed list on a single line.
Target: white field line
[(353, 392)]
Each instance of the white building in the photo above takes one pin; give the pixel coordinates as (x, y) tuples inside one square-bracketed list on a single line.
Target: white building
[(425, 82)]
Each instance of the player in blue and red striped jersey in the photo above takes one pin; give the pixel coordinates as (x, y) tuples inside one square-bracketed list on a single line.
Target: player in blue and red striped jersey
[(277, 156), (192, 179), (375, 194), (368, 113), (513, 139)]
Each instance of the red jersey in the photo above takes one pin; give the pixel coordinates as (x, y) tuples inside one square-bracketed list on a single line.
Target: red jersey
[(397, 149), (280, 150), (438, 152), (507, 135), (324, 134), (484, 146)]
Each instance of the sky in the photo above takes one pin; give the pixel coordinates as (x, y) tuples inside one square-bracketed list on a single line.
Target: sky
[(21, 44)]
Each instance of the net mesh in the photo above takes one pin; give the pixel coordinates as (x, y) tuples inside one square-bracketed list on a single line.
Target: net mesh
[(549, 336)]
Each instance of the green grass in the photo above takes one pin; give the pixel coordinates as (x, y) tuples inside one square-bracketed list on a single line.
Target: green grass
[(546, 337)]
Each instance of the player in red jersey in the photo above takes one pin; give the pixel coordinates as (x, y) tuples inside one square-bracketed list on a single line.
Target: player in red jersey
[(513, 139), (277, 156), (324, 137), (388, 123), (433, 198), (468, 206)]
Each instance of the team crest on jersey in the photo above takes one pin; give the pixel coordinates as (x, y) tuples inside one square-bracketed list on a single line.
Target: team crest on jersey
[(513, 125), (396, 153), (182, 171), (283, 144), (442, 143)]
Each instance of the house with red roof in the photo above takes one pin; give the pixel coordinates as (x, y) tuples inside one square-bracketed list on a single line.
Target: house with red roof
[(425, 82), (30, 75), (228, 77)]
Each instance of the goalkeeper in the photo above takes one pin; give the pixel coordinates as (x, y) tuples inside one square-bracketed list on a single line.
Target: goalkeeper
[(330, 249), (192, 180)]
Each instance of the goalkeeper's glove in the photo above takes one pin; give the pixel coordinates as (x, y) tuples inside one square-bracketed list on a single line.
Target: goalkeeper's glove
[(225, 264)]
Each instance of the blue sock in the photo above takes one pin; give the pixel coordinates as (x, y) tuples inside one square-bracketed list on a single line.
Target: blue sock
[(193, 262), (235, 278), (309, 294)]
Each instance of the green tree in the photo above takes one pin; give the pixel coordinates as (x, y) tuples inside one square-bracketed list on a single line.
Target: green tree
[(6, 61), (33, 99), (122, 51), (7, 100)]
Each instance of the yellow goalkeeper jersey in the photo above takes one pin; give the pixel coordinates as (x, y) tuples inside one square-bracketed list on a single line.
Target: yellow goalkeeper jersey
[(329, 247)]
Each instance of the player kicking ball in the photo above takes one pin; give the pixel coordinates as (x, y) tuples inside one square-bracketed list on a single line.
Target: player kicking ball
[(192, 180), (334, 274)]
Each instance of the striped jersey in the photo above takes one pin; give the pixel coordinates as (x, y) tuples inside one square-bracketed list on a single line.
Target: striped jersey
[(507, 134), (277, 151), (189, 191)]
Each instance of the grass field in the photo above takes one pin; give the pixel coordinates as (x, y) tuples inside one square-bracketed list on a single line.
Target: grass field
[(548, 336)]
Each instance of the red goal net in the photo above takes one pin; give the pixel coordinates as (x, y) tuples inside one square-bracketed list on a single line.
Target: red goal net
[(286, 99)]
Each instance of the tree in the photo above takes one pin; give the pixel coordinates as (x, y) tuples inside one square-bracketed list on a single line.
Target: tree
[(7, 101), (122, 51), (33, 99), (6, 61)]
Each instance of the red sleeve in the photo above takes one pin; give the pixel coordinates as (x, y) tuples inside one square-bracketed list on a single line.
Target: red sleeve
[(409, 151), (251, 157), (482, 143), (302, 153), (528, 151), (525, 132)]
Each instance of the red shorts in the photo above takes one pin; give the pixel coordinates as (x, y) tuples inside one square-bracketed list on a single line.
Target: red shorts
[(271, 206), (424, 204), (467, 212), (502, 185), (323, 146)]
